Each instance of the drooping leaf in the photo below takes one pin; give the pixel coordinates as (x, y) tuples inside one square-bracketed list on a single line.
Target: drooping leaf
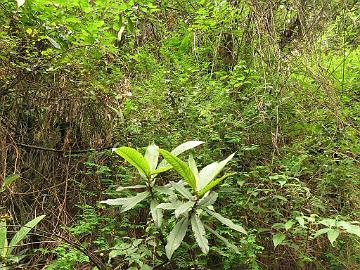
[(227, 243), (227, 221), (22, 233), (180, 149), (199, 233), (209, 172), (152, 156), (328, 222), (332, 235), (183, 208), (213, 183), (134, 158), (128, 203), (278, 239), (176, 236), (156, 213), (181, 167), (181, 189), (3, 238), (130, 187)]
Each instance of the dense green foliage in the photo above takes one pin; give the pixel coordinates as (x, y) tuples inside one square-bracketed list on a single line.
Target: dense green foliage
[(275, 82)]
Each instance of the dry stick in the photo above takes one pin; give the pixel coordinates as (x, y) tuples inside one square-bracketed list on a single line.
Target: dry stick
[(63, 151)]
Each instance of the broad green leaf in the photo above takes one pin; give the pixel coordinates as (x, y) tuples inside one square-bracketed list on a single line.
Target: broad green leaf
[(328, 222), (209, 172), (134, 158), (350, 228), (22, 233), (321, 231), (181, 189), (176, 236), (332, 235), (20, 2), (208, 200), (199, 233), (227, 221), (152, 156), (185, 146), (213, 184), (181, 167), (180, 149), (3, 238), (301, 221), (183, 208), (130, 187), (278, 239), (194, 169), (10, 179), (169, 206), (227, 243), (289, 224), (156, 213), (164, 190), (127, 203), (160, 170)]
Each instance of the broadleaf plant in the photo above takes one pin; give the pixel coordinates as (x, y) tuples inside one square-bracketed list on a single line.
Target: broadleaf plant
[(191, 200)]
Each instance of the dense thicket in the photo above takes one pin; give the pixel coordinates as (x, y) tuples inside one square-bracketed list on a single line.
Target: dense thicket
[(275, 81)]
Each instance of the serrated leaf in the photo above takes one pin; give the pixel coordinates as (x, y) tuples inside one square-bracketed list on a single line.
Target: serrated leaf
[(152, 156), (227, 243), (213, 183), (209, 172), (278, 239), (199, 233), (332, 235), (176, 236), (181, 167), (181, 189), (130, 187), (226, 221), (134, 158), (22, 233), (180, 149), (156, 213), (183, 208), (127, 203), (208, 200)]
